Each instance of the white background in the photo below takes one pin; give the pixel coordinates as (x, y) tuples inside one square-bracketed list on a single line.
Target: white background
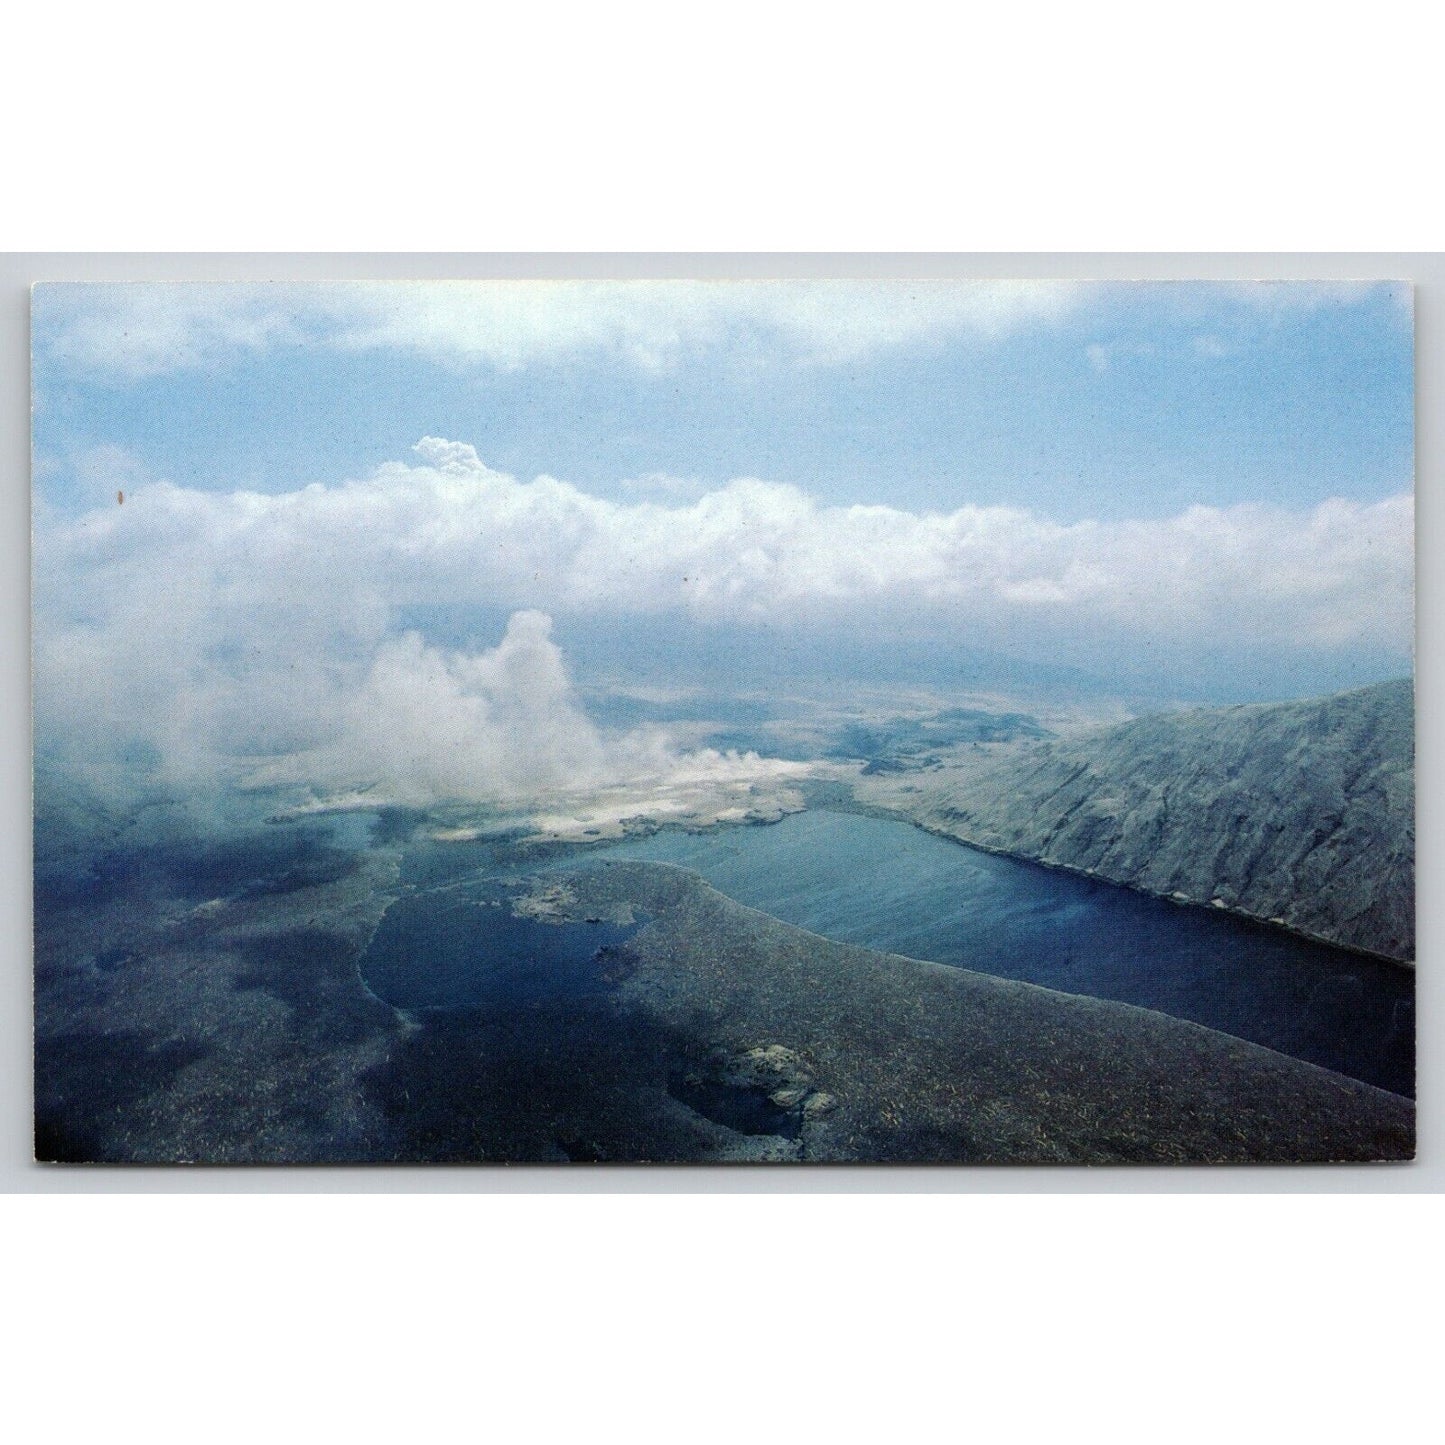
[(833, 1305)]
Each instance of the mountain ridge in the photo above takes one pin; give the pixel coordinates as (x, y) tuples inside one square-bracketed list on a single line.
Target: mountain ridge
[(1299, 814)]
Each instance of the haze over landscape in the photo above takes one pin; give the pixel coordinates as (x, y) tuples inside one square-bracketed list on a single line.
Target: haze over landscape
[(482, 563)]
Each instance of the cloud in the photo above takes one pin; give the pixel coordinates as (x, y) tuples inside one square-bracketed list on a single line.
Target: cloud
[(146, 328), (1292, 296), (186, 718), (88, 475), (452, 530), (257, 636), (500, 726), (139, 330), (664, 485), (133, 330), (1102, 355), (1212, 347)]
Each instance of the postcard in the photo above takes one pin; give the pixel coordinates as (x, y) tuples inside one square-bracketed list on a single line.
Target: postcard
[(574, 722)]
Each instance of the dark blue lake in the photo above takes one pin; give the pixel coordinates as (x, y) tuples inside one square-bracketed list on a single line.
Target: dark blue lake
[(461, 946), (891, 886)]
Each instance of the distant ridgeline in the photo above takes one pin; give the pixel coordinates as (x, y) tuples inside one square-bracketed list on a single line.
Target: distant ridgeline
[(1299, 813)]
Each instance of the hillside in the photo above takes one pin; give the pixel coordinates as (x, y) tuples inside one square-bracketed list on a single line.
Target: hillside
[(239, 1031), (869, 1056), (1299, 813)]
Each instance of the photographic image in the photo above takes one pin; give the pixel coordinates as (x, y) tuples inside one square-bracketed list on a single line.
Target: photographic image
[(694, 721)]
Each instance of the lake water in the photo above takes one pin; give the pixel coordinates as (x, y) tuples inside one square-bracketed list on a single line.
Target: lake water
[(891, 886), (461, 946)]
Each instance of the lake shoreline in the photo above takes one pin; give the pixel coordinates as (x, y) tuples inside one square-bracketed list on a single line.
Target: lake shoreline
[(1338, 1007), (843, 803), (1229, 910)]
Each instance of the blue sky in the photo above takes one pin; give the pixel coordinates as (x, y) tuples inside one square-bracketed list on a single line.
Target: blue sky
[(1128, 401)]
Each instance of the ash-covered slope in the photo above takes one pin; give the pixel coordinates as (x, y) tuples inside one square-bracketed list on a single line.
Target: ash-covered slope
[(864, 1056), (237, 1029), (1300, 813)]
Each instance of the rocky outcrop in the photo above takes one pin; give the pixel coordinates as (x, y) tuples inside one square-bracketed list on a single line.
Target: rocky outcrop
[(1298, 813)]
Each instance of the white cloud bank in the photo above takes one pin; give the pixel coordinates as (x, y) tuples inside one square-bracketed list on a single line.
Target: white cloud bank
[(255, 635), (143, 329)]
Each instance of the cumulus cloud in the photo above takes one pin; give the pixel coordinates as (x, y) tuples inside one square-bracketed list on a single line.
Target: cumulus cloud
[(146, 329), (664, 485), (184, 716), (500, 724), (259, 633)]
